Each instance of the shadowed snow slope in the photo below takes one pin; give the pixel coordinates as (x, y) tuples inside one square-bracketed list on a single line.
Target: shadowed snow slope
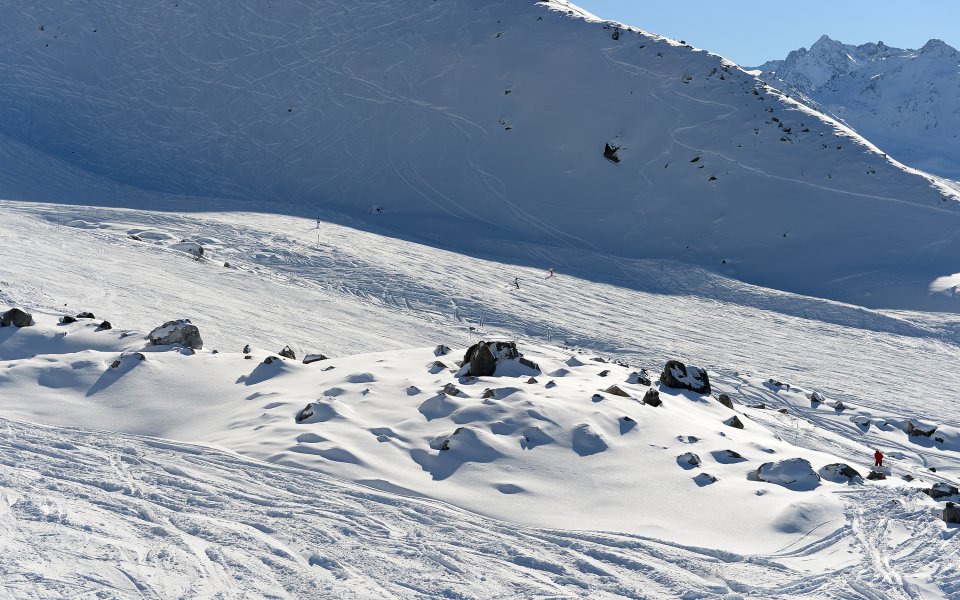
[(464, 121)]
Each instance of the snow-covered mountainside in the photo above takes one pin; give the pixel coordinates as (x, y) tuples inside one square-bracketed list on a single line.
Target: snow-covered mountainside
[(470, 125), (533, 481), (907, 102), (344, 198)]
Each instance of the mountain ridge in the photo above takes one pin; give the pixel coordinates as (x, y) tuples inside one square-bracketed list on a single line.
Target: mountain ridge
[(906, 101)]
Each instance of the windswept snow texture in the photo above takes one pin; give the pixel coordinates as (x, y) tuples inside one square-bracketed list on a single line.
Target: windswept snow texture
[(907, 102), (109, 515), (470, 125)]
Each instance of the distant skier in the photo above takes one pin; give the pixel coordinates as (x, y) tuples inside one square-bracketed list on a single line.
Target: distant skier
[(516, 282), (549, 272), (878, 458), (318, 222)]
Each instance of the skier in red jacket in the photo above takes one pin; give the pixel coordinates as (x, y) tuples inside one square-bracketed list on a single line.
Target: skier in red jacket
[(878, 458)]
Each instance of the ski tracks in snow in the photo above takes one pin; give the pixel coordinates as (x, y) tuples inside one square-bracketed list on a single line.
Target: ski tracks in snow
[(139, 517)]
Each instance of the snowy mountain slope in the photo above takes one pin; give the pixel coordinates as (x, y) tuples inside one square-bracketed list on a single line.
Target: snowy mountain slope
[(905, 101), (457, 123), (357, 292), (371, 428), (136, 510), (96, 513)]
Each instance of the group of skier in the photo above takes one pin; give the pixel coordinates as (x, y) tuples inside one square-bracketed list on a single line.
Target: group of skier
[(516, 280)]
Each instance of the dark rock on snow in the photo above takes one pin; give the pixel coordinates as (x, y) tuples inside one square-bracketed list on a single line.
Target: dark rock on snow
[(85, 315), (287, 352), (725, 400), (105, 326), (677, 375), (304, 414), (734, 422), (312, 358), (951, 513), (942, 490), (874, 475), (483, 357), (616, 391), (441, 350), (66, 320), (917, 428), (652, 397), (270, 360), (17, 318)]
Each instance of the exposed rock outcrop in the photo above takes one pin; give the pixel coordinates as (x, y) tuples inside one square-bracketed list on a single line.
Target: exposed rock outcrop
[(17, 318), (180, 332), (679, 376)]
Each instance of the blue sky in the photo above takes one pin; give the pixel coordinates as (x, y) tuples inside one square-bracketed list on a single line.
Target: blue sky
[(750, 32)]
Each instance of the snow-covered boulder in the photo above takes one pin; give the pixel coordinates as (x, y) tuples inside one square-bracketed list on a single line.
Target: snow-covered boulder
[(839, 473), (793, 473), (704, 479), (181, 332), (916, 427), (312, 358), (125, 358), (688, 460), (677, 375), (586, 441), (17, 318), (483, 358), (942, 490)]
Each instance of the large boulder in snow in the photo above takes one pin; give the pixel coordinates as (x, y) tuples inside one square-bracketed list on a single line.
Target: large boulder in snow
[(482, 359), (181, 332), (951, 513), (839, 473), (916, 427), (942, 490), (679, 376), (793, 473), (17, 318)]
